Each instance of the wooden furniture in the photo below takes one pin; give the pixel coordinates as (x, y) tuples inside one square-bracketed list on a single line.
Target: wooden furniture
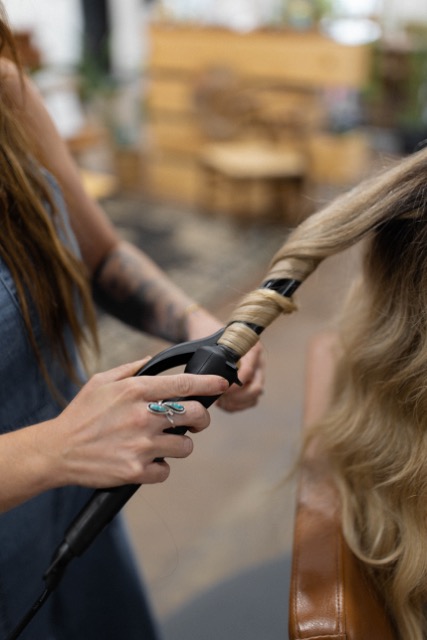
[(99, 185), (268, 62), (236, 170), (255, 145), (29, 54), (331, 596)]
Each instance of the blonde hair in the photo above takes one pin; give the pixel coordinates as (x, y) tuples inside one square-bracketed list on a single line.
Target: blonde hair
[(375, 431)]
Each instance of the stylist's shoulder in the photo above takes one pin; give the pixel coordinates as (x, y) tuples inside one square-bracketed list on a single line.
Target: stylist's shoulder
[(13, 81)]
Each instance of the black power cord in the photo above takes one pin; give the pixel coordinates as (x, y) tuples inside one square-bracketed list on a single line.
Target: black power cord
[(29, 615)]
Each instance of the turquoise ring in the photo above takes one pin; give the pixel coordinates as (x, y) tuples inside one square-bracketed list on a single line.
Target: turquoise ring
[(166, 408)]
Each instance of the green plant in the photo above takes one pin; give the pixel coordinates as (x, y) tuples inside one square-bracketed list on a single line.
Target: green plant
[(323, 8), (414, 112), (93, 75)]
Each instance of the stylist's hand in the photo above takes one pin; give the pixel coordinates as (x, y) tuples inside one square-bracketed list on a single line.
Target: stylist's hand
[(106, 436), (251, 366), (251, 375)]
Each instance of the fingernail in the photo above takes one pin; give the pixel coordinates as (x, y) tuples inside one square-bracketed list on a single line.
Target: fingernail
[(189, 446), (224, 384)]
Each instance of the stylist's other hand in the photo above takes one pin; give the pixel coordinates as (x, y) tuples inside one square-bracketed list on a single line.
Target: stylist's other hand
[(251, 366), (106, 436), (251, 375)]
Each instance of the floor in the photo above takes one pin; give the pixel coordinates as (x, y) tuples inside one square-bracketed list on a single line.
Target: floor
[(214, 542)]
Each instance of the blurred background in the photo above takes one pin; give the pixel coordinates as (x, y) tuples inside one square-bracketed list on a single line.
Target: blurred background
[(208, 129)]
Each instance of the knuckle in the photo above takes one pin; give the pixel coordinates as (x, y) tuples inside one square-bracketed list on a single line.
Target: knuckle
[(197, 417), (142, 385), (156, 473), (204, 417), (135, 415), (198, 411), (135, 471), (257, 389), (163, 472), (131, 388), (183, 384), (96, 379), (229, 405)]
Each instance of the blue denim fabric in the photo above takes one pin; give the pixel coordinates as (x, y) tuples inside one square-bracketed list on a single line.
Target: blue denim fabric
[(101, 596)]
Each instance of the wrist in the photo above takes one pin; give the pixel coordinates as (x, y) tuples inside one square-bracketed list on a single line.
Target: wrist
[(199, 323), (27, 467), (187, 319), (47, 455)]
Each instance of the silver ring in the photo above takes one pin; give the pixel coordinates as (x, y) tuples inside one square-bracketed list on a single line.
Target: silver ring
[(166, 408)]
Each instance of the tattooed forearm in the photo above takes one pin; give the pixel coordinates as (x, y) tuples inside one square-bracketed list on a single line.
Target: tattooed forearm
[(132, 288)]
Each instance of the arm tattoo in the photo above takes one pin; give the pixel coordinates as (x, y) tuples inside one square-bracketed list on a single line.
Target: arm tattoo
[(140, 295)]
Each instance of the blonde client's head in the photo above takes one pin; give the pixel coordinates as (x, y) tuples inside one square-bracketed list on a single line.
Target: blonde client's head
[(375, 432)]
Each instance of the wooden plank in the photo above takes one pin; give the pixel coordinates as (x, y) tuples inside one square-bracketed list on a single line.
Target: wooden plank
[(178, 180), (334, 159), (301, 58), (170, 94), (172, 178), (171, 166), (175, 135), (340, 159), (99, 185)]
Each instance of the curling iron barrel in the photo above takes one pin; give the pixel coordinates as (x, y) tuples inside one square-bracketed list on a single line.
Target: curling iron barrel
[(260, 307)]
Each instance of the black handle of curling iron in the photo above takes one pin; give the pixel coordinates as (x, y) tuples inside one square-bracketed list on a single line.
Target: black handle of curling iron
[(202, 357)]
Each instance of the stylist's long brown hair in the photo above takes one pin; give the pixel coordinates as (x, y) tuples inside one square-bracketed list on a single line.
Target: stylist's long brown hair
[(46, 273)]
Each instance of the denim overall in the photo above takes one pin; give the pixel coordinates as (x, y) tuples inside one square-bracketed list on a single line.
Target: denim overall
[(100, 596)]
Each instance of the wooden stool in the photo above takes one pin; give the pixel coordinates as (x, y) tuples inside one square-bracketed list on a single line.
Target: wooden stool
[(239, 166)]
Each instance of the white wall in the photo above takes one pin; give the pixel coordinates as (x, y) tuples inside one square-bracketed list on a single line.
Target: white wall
[(407, 9), (57, 27), (56, 24), (127, 35), (358, 7)]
